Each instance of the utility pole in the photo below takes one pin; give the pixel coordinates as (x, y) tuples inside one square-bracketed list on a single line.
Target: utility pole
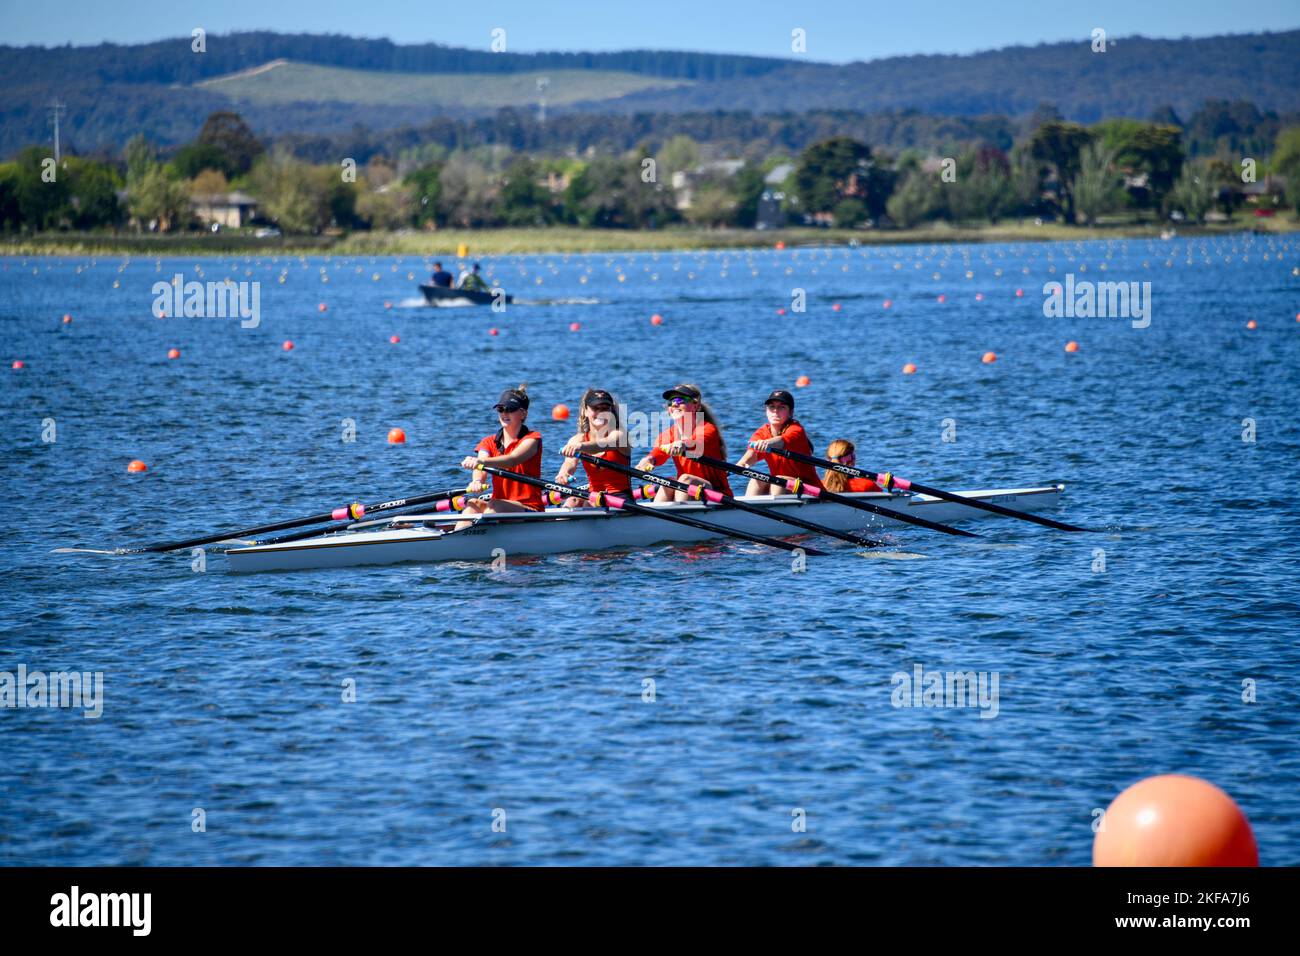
[(57, 108), (542, 83)]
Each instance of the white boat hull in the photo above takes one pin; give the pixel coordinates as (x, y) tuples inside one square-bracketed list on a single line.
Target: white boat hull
[(589, 529)]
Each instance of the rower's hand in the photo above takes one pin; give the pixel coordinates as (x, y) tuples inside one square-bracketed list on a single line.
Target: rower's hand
[(562, 477), (676, 450), (645, 464), (475, 487), (571, 447), (762, 444), (470, 461)]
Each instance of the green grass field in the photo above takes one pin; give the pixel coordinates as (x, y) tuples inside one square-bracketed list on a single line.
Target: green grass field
[(567, 239), (286, 82)]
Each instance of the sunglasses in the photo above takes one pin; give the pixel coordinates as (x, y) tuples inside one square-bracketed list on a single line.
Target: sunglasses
[(777, 405), (679, 401)]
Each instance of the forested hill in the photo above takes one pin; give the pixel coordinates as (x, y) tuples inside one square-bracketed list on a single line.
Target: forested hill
[(332, 84)]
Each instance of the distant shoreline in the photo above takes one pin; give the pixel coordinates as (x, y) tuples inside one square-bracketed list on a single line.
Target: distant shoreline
[(561, 239)]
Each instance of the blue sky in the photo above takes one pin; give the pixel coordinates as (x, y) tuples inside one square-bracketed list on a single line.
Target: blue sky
[(837, 30)]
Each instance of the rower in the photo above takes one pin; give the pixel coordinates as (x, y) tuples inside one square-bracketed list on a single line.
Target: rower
[(781, 431), (600, 433), (441, 277), (694, 432), (841, 452), (512, 448), (472, 281)]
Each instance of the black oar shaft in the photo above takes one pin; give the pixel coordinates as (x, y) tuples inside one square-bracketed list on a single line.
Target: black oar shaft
[(351, 513), (729, 501), (839, 499), (907, 485), (626, 504)]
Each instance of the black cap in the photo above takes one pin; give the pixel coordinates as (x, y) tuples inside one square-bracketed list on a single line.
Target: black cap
[(598, 396), (683, 391), (511, 400), (780, 395)]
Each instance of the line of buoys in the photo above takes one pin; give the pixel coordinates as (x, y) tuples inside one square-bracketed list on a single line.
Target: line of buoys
[(396, 436), (1174, 820), (137, 465)]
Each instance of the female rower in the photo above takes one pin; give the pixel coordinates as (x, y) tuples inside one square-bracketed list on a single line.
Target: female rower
[(694, 432), (512, 448), (781, 431), (600, 434), (841, 452)]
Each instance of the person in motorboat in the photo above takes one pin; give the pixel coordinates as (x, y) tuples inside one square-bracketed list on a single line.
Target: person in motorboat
[(473, 282), (441, 277)]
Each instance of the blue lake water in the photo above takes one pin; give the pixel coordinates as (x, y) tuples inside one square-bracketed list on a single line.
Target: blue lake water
[(516, 696)]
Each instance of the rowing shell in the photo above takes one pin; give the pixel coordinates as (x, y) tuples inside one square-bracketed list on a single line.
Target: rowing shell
[(558, 530)]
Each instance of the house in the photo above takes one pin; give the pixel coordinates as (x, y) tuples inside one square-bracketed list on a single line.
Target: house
[(682, 180), (230, 210)]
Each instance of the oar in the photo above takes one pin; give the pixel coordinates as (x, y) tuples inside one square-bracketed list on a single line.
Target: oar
[(352, 512), (446, 504), (602, 499), (699, 492), (803, 488), (889, 482)]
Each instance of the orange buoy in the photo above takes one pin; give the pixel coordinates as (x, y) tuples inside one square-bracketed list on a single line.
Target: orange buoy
[(1072, 346), (941, 298), (1297, 316), (321, 307), (780, 311), (1252, 324), (67, 319), (574, 326), (287, 346), (803, 381), (909, 369), (656, 319), (173, 353), (492, 331), (887, 303), (835, 307), (137, 465), (560, 412), (780, 245), (989, 358), (1020, 293), (396, 436), (979, 296), (18, 363), (394, 339), (388, 305), (1174, 820)]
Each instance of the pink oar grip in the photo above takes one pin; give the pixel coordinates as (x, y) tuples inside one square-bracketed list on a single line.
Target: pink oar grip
[(810, 491), (613, 501), (898, 482), (714, 496)]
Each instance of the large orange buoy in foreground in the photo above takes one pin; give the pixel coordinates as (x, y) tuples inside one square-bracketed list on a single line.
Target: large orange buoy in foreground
[(989, 358), (1174, 820), (560, 412), (396, 436), (137, 465)]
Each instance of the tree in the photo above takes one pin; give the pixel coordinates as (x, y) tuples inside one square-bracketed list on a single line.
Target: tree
[(468, 193), (209, 182), (680, 154), (93, 187), (1058, 144), (192, 159), (232, 138), (388, 207), (1286, 162), (1193, 194), (917, 200), (524, 200), (830, 171), (426, 188), (746, 189), (10, 217), (849, 213), (712, 204), (609, 193), (296, 195), (160, 198), (1096, 188), (1025, 182), (42, 203)]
